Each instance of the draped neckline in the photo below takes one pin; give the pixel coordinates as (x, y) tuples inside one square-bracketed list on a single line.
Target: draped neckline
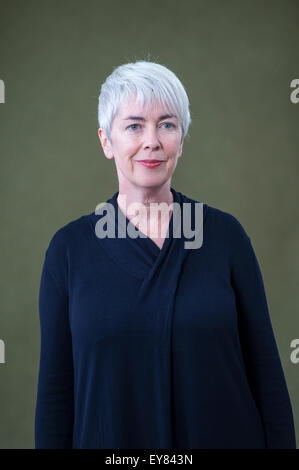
[(124, 221), (140, 256)]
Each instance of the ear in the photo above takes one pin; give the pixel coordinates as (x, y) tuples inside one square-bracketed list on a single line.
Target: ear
[(181, 148), (105, 143)]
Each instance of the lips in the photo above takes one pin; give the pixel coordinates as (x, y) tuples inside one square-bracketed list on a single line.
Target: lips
[(150, 161)]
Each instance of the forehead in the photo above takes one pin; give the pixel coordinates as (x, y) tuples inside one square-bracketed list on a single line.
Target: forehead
[(130, 107)]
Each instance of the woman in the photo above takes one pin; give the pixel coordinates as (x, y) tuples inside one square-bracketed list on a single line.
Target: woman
[(146, 343)]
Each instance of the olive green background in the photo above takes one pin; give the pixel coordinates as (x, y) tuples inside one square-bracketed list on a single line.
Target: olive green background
[(236, 60)]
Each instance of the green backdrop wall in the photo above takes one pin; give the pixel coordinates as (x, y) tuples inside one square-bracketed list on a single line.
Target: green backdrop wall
[(236, 60)]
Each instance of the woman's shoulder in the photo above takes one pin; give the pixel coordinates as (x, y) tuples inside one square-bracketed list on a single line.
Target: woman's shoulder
[(220, 218), (226, 217), (66, 236), (233, 224)]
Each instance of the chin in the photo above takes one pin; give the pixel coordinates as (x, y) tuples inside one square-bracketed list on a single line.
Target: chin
[(151, 182)]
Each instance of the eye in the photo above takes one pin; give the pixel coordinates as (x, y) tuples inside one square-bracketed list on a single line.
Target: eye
[(130, 127), (133, 126), (169, 124)]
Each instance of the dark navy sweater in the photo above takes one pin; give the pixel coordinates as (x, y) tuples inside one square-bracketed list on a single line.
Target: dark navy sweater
[(143, 347)]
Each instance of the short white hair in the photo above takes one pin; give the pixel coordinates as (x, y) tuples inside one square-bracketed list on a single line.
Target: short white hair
[(148, 82)]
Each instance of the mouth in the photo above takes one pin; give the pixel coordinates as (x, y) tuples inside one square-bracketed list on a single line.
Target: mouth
[(150, 163), (150, 160)]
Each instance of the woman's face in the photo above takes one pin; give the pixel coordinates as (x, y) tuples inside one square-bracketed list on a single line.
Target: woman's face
[(139, 135)]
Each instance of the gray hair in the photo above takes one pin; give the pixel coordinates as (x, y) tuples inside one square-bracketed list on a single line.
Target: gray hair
[(148, 82)]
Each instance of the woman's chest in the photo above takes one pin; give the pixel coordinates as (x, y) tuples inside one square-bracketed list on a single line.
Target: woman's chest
[(104, 301)]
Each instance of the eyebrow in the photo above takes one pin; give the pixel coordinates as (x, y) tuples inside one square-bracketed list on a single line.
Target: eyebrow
[(139, 118)]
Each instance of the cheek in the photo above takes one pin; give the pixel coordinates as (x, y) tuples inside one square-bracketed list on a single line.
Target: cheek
[(172, 146), (126, 150), (129, 146), (173, 138)]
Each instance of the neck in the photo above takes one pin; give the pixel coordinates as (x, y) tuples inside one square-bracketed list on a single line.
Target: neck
[(136, 204)]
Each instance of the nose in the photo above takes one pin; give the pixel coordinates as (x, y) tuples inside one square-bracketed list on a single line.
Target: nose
[(151, 140)]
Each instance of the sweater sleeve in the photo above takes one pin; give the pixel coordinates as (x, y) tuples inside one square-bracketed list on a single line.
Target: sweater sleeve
[(54, 402), (261, 357)]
